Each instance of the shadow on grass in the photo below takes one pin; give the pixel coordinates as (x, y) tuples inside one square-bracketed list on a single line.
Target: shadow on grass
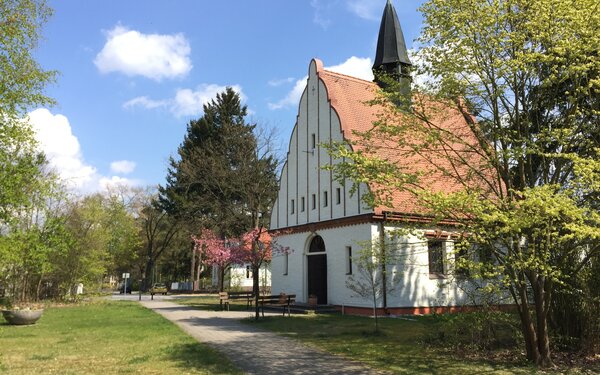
[(200, 358), (397, 348)]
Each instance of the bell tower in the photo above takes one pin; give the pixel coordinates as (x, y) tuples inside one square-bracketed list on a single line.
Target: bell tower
[(391, 58)]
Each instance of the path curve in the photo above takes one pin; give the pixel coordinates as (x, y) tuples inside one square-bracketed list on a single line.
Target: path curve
[(277, 354)]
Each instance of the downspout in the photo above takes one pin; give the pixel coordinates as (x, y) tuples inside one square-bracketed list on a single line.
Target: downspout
[(383, 262)]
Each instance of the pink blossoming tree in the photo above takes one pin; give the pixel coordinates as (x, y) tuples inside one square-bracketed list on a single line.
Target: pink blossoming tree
[(256, 247), (215, 251)]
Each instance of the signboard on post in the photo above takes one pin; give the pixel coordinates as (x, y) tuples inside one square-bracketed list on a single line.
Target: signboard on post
[(125, 276)]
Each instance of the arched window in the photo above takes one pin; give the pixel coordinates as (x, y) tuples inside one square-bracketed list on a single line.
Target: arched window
[(317, 245)]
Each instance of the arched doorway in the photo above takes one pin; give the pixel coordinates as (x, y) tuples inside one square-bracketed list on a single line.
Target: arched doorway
[(317, 270)]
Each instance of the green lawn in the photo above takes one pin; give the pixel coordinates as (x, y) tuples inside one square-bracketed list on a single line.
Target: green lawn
[(399, 348), (105, 338)]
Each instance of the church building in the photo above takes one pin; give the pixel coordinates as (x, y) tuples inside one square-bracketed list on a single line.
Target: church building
[(323, 224)]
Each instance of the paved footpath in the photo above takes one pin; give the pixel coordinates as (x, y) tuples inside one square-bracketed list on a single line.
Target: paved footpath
[(276, 355)]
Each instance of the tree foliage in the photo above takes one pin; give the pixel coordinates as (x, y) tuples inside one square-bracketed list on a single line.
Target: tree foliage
[(525, 172), (22, 81), (224, 178), (220, 178)]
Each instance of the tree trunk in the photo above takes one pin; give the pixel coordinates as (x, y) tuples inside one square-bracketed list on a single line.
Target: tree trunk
[(199, 270), (527, 326), (544, 360), (255, 290), (221, 282), (39, 287), (192, 270), (149, 270)]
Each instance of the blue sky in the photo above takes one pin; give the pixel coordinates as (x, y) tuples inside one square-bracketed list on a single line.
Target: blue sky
[(133, 73)]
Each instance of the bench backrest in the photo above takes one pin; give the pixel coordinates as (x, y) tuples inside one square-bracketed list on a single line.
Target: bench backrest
[(279, 298)]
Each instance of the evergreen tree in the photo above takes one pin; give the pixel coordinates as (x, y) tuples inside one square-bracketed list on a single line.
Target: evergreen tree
[(221, 180)]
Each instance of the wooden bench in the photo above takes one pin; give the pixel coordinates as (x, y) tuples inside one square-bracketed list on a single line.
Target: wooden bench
[(225, 297), (277, 300)]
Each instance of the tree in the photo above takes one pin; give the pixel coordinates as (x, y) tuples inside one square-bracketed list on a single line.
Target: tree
[(215, 251), (225, 177), (32, 239), (256, 247), (158, 230), (22, 81), (372, 263), (525, 173)]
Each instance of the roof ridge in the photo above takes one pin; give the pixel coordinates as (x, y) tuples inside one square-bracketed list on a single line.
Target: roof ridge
[(341, 75)]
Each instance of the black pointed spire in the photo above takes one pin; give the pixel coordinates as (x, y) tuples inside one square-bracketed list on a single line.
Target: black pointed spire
[(391, 57)]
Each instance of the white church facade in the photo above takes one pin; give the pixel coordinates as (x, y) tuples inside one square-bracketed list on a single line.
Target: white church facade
[(325, 226)]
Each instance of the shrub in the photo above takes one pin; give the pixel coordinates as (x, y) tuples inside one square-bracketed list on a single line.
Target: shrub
[(483, 330)]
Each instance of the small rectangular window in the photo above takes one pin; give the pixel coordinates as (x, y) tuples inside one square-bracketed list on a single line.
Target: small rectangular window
[(435, 251), (325, 200), (293, 206), (313, 140), (348, 260), (248, 272), (338, 196), (314, 201), (285, 264), (302, 204)]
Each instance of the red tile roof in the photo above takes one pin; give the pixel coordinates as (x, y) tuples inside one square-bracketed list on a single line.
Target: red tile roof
[(349, 97)]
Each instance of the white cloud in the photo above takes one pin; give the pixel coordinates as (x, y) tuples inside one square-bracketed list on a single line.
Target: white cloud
[(53, 132), (366, 9), (187, 102), (293, 97), (359, 67), (62, 148), (355, 66), (320, 9), (145, 102), (108, 182), (153, 56), (122, 166), (279, 82)]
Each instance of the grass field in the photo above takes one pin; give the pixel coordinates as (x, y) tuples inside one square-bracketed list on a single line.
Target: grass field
[(399, 348), (115, 337)]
